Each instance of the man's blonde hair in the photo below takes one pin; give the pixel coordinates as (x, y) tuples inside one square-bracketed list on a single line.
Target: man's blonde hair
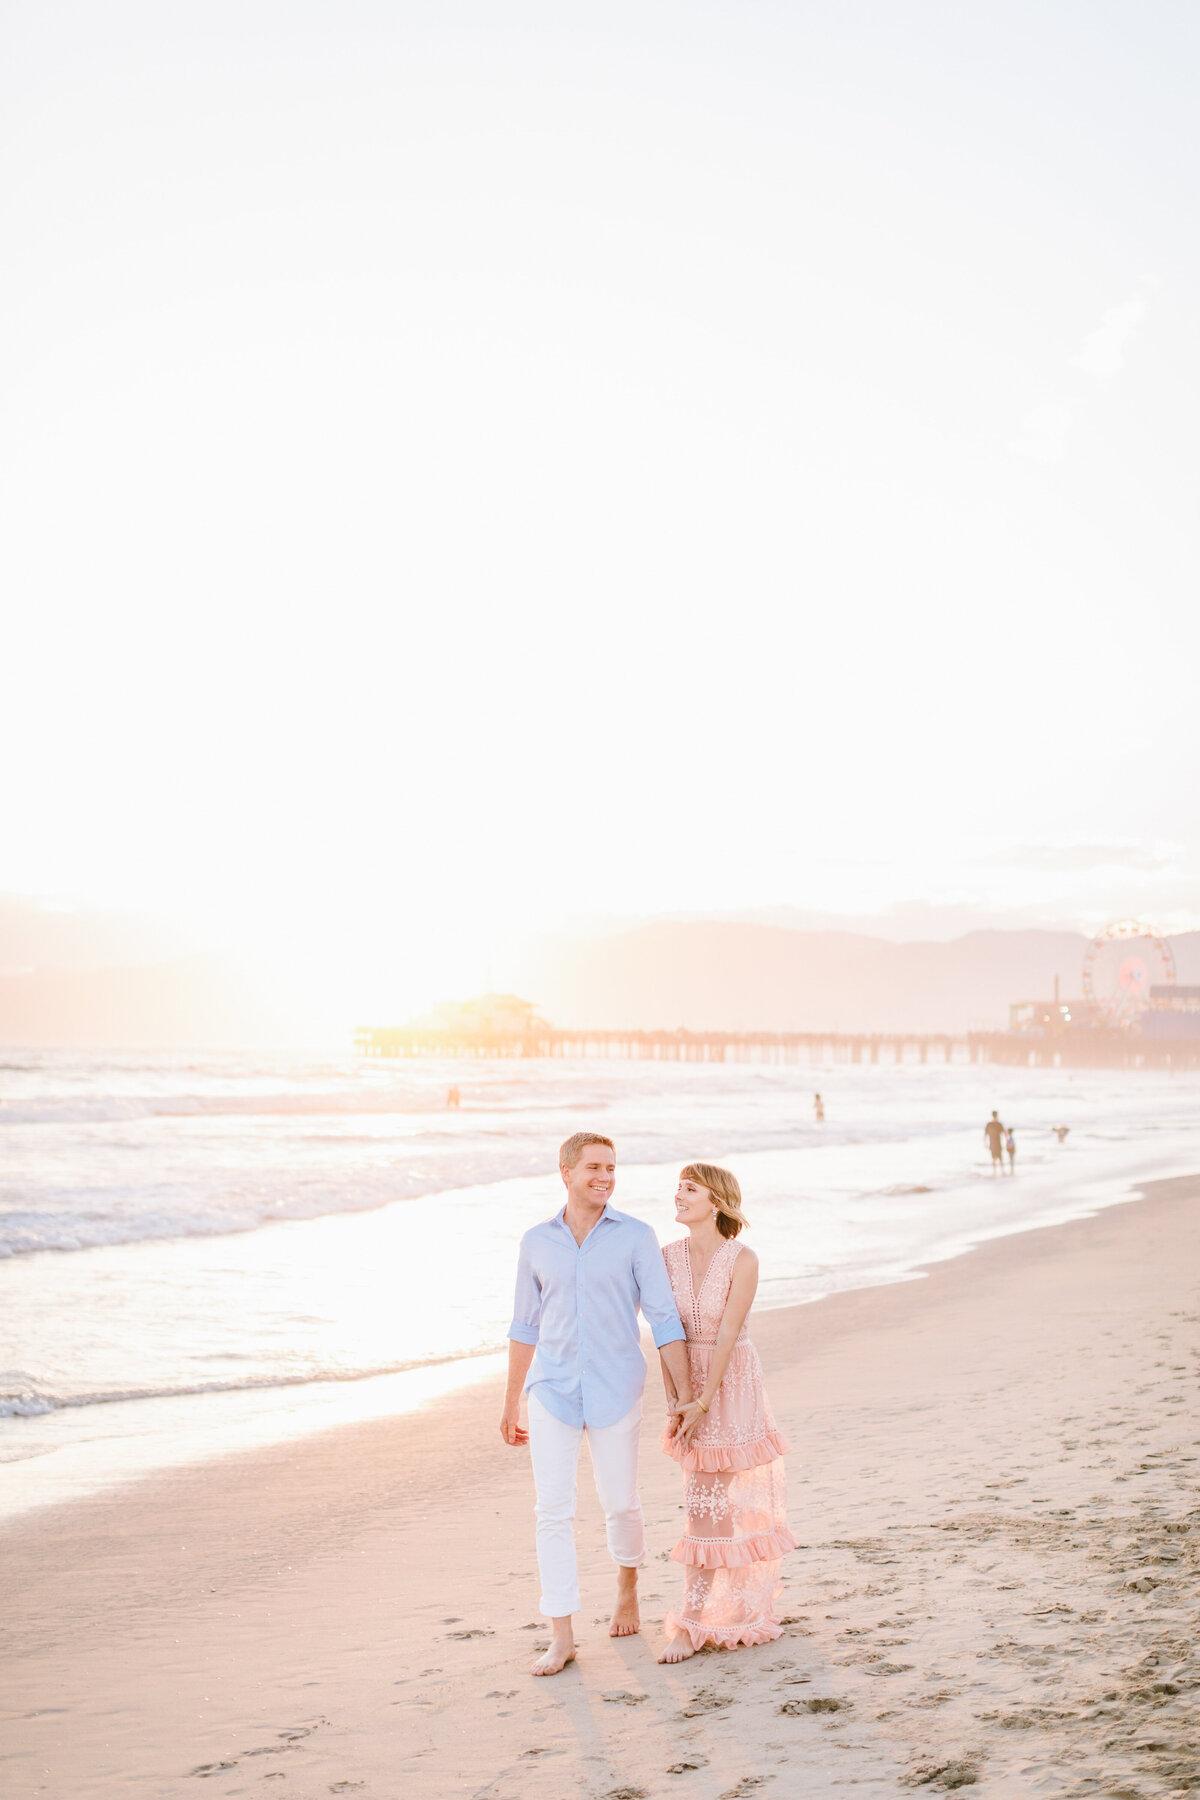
[(726, 1195), (573, 1148)]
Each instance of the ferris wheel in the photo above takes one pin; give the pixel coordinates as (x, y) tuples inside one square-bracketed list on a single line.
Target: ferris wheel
[(1121, 965)]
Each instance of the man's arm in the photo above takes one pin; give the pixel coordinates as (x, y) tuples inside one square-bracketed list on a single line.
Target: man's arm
[(677, 1377), (519, 1358), (522, 1342), (657, 1300)]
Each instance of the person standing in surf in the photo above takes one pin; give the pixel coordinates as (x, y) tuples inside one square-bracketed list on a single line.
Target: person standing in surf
[(573, 1347), (993, 1133), (726, 1439)]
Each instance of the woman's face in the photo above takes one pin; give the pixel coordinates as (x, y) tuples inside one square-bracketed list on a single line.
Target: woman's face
[(693, 1203)]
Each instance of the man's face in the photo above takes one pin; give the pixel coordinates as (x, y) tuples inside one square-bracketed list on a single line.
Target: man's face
[(594, 1176)]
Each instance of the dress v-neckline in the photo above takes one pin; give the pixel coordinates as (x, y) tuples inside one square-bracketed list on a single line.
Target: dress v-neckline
[(697, 1291)]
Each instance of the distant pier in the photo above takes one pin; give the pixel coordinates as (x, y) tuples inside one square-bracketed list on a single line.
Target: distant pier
[(1100, 1049)]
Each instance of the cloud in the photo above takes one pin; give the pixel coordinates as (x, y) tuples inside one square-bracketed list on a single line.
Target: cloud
[(1073, 857), (1102, 352), (1043, 434), (1044, 431)]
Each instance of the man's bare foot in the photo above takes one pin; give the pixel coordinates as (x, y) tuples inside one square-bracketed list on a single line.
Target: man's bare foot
[(556, 1658), (626, 1620), (678, 1649)]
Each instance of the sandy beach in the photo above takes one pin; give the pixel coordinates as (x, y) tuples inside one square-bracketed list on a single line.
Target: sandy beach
[(994, 1481)]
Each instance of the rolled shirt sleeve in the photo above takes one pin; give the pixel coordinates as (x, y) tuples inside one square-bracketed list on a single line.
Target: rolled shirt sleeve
[(527, 1303), (655, 1295)]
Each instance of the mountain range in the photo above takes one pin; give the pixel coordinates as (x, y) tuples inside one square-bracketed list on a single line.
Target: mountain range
[(730, 976), (100, 981)]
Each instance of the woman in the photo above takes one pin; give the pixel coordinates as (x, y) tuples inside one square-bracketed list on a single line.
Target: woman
[(726, 1440)]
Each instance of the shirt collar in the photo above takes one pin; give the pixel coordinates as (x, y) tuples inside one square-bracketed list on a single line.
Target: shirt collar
[(610, 1212)]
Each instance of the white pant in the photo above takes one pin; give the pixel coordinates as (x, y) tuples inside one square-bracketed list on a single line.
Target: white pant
[(554, 1452)]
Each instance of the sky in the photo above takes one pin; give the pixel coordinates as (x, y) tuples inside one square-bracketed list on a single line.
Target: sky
[(472, 469)]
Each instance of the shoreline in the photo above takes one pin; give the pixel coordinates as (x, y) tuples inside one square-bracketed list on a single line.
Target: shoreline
[(357, 1607), (69, 1452)]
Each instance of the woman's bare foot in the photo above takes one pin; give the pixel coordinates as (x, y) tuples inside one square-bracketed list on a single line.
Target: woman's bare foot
[(626, 1620), (556, 1658), (678, 1649)]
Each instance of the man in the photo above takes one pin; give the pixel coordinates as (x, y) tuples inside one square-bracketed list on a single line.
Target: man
[(993, 1133), (580, 1280)]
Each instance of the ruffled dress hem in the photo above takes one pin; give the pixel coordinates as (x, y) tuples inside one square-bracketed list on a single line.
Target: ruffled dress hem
[(733, 1553), (725, 1637), (712, 1460)]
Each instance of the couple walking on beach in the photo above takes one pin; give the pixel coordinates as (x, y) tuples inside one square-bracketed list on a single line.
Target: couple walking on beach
[(573, 1348)]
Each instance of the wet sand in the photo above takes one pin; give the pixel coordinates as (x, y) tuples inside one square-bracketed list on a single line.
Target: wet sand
[(994, 1480)]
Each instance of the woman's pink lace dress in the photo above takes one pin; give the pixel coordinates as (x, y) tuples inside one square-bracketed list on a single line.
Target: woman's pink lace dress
[(736, 1492)]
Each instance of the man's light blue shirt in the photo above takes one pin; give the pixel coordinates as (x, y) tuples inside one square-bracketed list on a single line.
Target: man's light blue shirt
[(579, 1304)]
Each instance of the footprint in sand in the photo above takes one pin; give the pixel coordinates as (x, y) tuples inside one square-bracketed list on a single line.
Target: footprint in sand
[(689, 1762), (618, 1696), (813, 1705), (217, 1768), (705, 1700), (958, 1774), (746, 1786), (478, 1631), (291, 1741)]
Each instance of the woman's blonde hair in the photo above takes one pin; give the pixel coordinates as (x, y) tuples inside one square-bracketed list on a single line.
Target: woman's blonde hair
[(726, 1195)]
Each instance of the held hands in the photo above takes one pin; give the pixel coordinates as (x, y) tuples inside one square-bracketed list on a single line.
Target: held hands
[(511, 1430), (688, 1419)]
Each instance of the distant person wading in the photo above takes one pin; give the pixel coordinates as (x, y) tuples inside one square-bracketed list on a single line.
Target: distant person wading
[(993, 1133)]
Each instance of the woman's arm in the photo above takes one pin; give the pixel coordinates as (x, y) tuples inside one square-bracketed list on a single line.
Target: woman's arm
[(742, 1287)]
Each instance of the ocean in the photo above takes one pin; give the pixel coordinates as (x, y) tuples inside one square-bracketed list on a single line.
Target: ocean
[(204, 1252)]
